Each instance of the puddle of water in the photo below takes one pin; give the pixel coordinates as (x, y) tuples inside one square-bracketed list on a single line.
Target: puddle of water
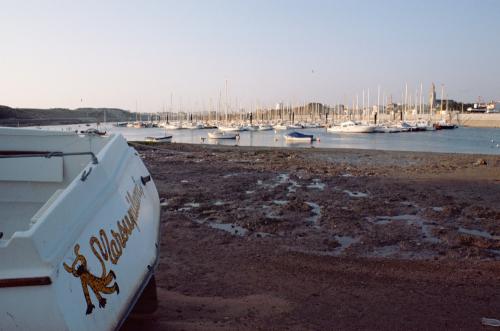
[(345, 242), (231, 228), (292, 188), (425, 226), (273, 216), (218, 203), (192, 204), (317, 184), (478, 233), (385, 251), (438, 209), (188, 206), (356, 194), (316, 213), (283, 178)]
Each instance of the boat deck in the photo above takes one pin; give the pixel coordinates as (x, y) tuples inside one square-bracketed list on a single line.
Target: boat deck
[(16, 216)]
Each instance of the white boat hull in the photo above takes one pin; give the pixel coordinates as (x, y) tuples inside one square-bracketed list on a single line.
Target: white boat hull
[(298, 140), (230, 128), (90, 250), (222, 135), (352, 129)]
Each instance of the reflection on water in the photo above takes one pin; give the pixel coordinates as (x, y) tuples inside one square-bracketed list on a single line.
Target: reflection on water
[(462, 140)]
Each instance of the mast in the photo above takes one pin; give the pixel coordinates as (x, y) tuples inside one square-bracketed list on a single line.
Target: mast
[(442, 96), (226, 105)]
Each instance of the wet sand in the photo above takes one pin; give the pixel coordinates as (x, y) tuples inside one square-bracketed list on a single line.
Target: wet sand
[(295, 239)]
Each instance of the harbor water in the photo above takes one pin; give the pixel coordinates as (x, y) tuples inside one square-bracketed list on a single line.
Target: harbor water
[(461, 140)]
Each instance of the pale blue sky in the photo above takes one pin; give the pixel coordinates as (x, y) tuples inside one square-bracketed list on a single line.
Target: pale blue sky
[(114, 53)]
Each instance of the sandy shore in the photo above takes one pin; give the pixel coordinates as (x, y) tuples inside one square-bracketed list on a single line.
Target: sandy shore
[(292, 239)]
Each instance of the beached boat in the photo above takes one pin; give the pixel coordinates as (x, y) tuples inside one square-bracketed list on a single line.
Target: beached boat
[(164, 139), (222, 135), (79, 228), (299, 137), (93, 131), (351, 127)]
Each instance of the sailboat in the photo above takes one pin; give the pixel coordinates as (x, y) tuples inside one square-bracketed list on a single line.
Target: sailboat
[(351, 127)]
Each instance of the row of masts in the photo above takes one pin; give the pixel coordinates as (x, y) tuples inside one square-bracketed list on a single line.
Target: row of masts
[(360, 108)]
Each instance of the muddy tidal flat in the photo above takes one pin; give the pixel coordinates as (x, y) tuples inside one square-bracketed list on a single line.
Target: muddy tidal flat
[(324, 239)]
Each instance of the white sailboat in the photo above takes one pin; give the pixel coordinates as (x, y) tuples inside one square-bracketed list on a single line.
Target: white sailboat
[(351, 127)]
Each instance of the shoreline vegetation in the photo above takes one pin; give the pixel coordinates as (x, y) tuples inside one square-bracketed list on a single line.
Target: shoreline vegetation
[(59, 116)]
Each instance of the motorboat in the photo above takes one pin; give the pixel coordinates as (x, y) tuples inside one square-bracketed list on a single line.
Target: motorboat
[(231, 128), (251, 128), (280, 127), (173, 126), (295, 126), (352, 127), (79, 228), (386, 129), (164, 139), (265, 127), (222, 135), (299, 137), (192, 126), (443, 125)]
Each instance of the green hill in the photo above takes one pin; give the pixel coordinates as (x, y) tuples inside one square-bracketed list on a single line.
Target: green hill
[(30, 116)]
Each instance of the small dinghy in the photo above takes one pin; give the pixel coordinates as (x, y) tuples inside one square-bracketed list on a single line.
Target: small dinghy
[(299, 137), (94, 132), (443, 125), (164, 139), (222, 135), (79, 230)]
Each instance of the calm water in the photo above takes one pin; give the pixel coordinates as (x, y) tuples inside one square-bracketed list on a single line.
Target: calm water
[(461, 140)]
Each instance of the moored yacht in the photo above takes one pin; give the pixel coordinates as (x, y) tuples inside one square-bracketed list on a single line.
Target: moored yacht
[(352, 127)]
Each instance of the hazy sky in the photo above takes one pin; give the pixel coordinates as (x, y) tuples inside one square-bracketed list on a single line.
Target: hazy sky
[(114, 53)]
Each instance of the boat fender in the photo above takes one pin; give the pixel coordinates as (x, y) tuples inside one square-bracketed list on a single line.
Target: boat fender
[(145, 179)]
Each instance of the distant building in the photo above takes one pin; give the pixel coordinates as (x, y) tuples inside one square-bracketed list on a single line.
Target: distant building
[(432, 97)]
